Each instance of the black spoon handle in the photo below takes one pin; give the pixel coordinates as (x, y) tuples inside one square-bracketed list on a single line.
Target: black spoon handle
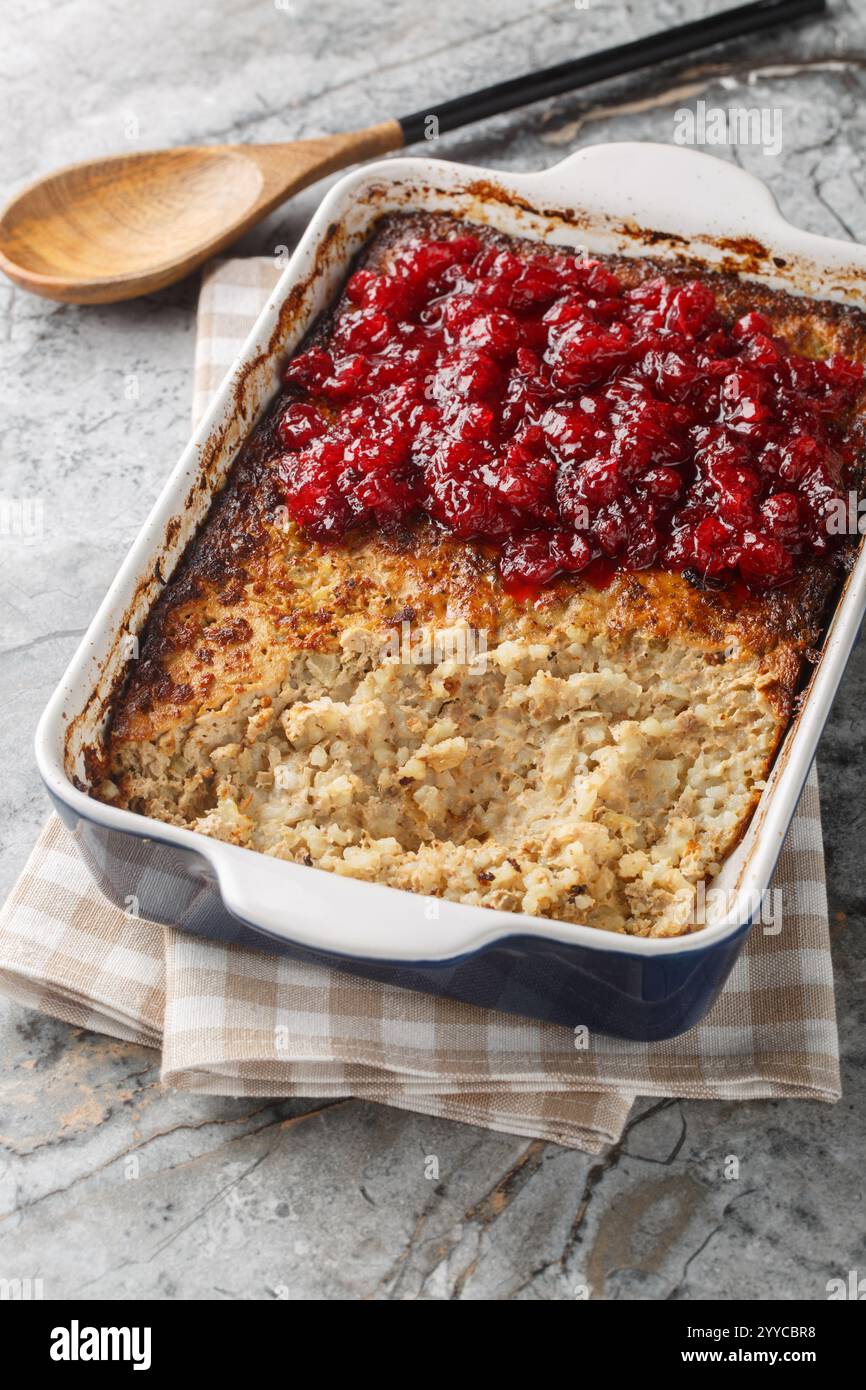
[(611, 62)]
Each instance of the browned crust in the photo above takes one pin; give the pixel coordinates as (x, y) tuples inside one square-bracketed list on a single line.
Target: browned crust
[(239, 592)]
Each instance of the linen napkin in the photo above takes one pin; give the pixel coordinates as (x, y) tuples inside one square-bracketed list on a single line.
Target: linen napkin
[(232, 1021)]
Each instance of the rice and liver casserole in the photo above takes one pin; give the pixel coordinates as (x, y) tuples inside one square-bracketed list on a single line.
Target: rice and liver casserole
[(385, 706)]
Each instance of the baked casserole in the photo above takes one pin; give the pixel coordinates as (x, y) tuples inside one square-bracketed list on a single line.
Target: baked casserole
[(509, 597)]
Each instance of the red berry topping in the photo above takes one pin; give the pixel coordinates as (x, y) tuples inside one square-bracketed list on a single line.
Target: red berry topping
[(536, 404)]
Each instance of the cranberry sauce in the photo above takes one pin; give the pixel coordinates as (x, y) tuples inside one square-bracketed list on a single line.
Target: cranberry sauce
[(541, 406)]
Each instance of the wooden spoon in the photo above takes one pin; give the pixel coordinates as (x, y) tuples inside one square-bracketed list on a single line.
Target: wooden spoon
[(115, 228), (111, 229)]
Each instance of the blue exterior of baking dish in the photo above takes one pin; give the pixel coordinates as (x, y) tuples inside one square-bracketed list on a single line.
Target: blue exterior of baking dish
[(647, 989), (646, 998)]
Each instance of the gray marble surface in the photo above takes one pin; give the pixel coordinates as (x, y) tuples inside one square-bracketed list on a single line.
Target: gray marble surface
[(292, 1199)]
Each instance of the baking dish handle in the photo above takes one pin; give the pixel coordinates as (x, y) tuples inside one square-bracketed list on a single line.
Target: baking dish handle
[(326, 911), (671, 189)]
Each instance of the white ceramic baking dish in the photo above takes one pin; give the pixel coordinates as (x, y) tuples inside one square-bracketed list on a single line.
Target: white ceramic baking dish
[(632, 199)]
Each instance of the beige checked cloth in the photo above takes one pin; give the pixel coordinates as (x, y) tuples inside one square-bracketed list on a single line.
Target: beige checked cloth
[(231, 1021)]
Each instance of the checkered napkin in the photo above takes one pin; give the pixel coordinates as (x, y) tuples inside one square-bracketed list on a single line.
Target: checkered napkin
[(231, 1021)]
